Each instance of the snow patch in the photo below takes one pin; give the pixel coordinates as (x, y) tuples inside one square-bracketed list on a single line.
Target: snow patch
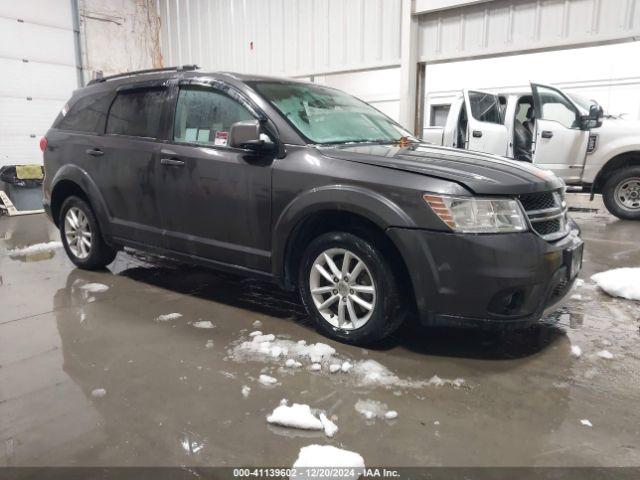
[(95, 287), (267, 380), (255, 333), (36, 248), (620, 282), (329, 427), (261, 347), (606, 354), (203, 324), (335, 367), (257, 324), (246, 390), (168, 316), (372, 373), (330, 456), (209, 344), (98, 392), (365, 373), (391, 414), (295, 416), (291, 363), (576, 351), (586, 422), (370, 409)]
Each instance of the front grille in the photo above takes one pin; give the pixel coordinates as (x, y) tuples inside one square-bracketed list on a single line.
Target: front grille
[(547, 227), (538, 201), (547, 213)]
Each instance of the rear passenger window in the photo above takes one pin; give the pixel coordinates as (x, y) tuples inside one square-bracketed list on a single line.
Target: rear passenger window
[(205, 116), (136, 113), (88, 114)]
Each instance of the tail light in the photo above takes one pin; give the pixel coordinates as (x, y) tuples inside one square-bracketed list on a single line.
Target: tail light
[(43, 144)]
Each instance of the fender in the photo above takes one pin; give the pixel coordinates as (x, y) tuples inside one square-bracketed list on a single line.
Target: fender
[(606, 152), (345, 198), (75, 174)]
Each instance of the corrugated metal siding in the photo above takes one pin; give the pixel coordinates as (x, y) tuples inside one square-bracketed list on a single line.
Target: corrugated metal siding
[(281, 37), (37, 61), (505, 26)]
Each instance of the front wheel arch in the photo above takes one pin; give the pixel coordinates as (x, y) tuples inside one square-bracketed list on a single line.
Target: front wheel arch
[(622, 160)]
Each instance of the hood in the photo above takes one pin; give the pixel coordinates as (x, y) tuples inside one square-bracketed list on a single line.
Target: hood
[(478, 172), (618, 125)]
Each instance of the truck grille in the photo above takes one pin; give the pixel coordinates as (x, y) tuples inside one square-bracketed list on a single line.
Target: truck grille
[(547, 212)]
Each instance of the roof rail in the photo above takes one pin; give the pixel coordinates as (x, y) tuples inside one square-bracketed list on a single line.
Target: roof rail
[(181, 68)]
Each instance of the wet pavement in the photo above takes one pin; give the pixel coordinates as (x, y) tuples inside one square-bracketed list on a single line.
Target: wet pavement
[(172, 393)]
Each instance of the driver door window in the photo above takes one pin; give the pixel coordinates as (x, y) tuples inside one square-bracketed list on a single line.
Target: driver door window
[(557, 108), (205, 116)]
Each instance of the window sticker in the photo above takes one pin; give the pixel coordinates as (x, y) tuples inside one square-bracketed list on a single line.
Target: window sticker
[(65, 109), (190, 134), (203, 135), (221, 139)]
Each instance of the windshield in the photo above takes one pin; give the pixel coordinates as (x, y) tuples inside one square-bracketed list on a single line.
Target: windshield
[(325, 115), (581, 101)]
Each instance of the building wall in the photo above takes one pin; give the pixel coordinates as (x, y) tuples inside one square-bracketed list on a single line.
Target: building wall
[(119, 36), (281, 37), (608, 74)]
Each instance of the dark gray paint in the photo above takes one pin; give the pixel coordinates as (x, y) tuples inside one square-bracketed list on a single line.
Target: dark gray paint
[(235, 209)]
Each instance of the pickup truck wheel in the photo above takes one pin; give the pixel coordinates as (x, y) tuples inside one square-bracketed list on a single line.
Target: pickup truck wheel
[(621, 194), (81, 236), (349, 289)]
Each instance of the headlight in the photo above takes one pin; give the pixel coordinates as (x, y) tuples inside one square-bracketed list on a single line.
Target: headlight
[(478, 215)]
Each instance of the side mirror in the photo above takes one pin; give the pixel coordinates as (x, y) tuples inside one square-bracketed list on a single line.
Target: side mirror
[(594, 119), (248, 135)]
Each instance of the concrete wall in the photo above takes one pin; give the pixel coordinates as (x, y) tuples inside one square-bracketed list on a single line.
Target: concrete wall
[(119, 35)]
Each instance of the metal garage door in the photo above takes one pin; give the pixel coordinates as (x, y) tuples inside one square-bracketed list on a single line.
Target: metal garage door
[(37, 73)]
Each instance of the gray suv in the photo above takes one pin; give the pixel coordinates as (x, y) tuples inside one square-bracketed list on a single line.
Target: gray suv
[(308, 187)]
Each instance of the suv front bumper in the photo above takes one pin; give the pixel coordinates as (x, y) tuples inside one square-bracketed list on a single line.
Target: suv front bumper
[(510, 279)]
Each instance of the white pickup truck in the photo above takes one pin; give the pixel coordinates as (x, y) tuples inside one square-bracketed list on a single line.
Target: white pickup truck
[(560, 131)]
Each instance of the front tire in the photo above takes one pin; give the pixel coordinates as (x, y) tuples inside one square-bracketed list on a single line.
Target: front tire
[(81, 236), (621, 193), (349, 289)]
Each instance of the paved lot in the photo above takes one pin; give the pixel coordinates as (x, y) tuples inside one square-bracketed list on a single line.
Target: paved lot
[(173, 391)]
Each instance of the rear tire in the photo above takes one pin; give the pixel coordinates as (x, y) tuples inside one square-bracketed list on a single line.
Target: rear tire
[(81, 236), (366, 307), (621, 193)]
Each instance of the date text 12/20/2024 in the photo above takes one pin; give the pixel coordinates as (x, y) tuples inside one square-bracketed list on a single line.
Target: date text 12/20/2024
[(337, 473)]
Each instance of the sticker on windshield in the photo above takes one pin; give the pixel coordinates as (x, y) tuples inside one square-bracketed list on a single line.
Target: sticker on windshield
[(221, 139)]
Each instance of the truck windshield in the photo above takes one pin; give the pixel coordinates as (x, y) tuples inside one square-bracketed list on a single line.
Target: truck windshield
[(324, 115), (582, 102)]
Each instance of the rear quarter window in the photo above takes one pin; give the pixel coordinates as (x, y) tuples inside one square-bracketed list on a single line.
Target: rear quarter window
[(136, 113), (88, 114)]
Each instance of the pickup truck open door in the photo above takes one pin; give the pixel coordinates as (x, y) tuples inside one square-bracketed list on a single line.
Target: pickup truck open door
[(485, 129), (559, 143)]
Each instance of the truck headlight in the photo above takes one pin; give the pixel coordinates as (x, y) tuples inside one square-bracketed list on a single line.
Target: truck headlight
[(478, 215)]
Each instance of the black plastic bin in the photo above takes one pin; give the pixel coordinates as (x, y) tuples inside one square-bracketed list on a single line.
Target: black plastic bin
[(24, 193)]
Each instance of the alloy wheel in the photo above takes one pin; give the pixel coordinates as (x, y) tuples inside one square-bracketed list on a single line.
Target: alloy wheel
[(342, 288), (77, 231)]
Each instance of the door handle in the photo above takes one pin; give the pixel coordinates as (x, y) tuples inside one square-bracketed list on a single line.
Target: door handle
[(477, 134), (547, 134), (172, 162), (95, 152)]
